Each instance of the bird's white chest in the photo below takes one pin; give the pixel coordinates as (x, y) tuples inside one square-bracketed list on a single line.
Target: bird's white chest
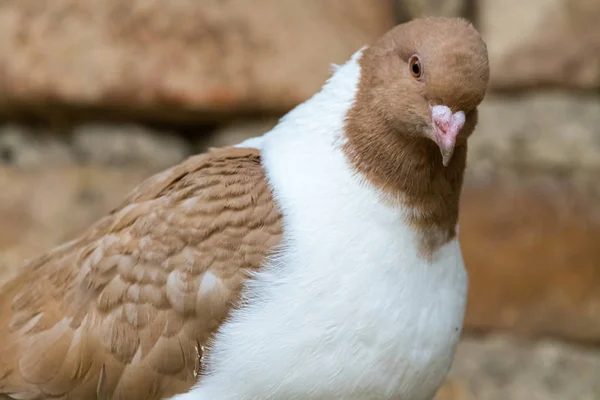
[(346, 311), (361, 313)]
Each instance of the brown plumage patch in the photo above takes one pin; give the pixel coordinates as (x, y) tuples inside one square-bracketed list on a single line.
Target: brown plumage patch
[(389, 125), (124, 310)]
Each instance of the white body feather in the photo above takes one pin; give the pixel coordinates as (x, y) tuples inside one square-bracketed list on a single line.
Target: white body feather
[(347, 309)]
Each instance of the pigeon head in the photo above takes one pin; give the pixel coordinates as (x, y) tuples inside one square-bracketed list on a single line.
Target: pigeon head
[(424, 80)]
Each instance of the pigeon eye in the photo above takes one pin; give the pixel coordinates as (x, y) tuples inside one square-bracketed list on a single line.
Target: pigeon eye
[(416, 69)]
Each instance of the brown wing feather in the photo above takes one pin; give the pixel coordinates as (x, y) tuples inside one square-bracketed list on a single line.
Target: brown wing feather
[(120, 312)]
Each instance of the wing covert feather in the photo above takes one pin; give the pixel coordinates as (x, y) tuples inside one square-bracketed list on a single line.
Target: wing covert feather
[(121, 311)]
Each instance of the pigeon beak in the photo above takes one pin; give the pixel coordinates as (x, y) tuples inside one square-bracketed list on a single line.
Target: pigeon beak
[(446, 127)]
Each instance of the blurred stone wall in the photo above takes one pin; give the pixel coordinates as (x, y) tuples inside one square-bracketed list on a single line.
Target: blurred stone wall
[(96, 95)]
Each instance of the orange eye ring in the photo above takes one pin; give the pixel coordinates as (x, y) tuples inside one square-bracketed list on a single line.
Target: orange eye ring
[(415, 67)]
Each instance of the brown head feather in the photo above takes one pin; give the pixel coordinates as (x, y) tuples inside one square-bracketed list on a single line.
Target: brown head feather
[(389, 128)]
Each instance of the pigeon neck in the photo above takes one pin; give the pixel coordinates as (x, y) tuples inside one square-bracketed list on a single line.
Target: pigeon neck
[(407, 169)]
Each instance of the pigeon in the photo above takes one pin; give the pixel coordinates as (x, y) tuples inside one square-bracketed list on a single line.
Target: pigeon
[(317, 261)]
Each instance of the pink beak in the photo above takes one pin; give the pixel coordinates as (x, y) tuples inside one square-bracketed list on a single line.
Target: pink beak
[(447, 127)]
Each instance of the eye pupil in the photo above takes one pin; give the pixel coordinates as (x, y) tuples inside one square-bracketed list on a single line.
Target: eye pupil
[(414, 65)]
